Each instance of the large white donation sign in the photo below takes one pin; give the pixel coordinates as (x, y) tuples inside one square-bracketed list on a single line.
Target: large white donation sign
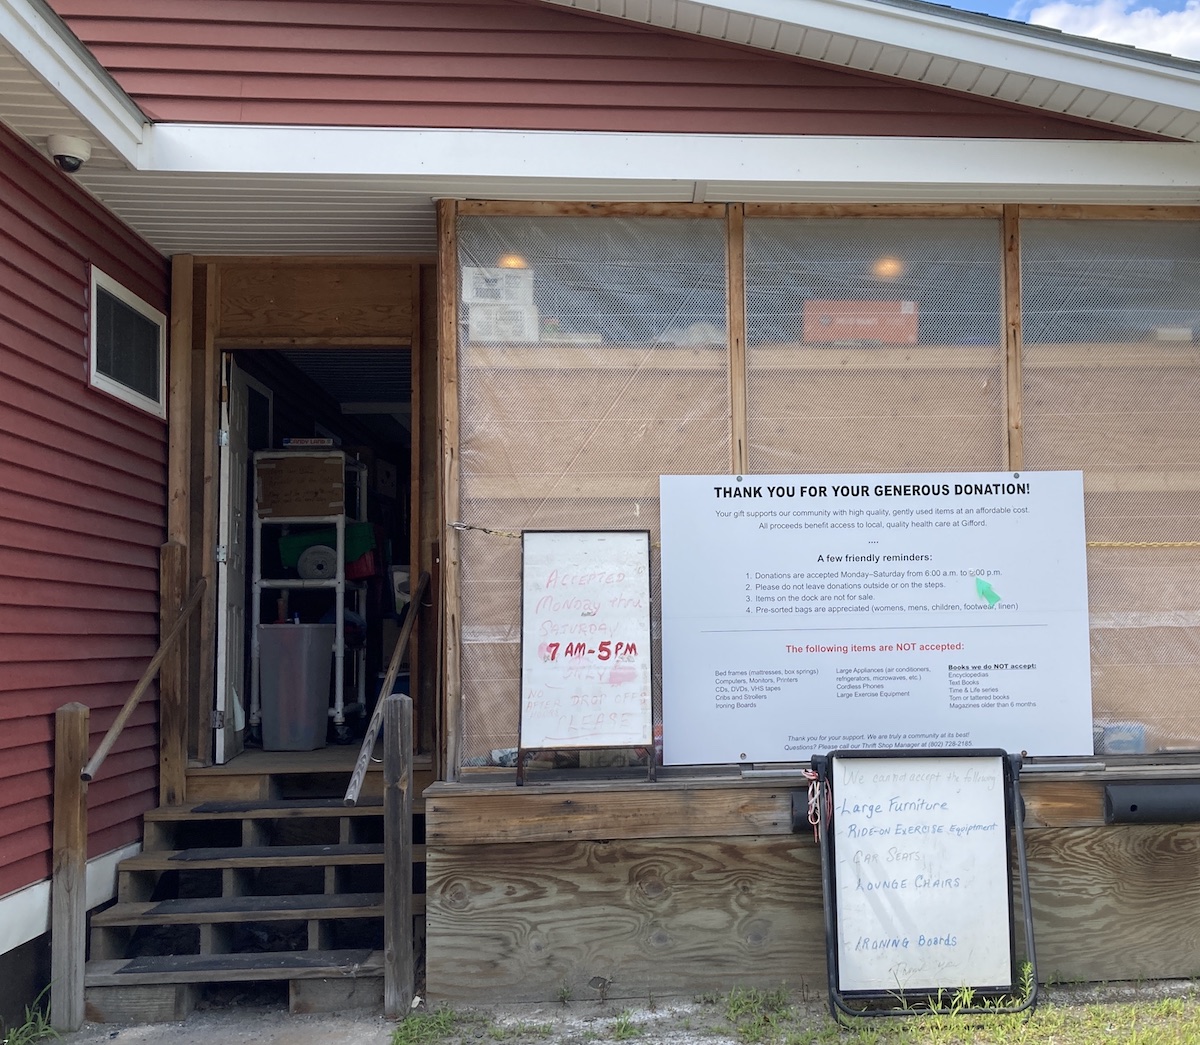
[(805, 614)]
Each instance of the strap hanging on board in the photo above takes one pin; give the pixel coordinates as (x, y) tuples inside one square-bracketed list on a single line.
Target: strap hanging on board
[(915, 864)]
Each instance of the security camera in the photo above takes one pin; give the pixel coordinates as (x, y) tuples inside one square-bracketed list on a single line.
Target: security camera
[(69, 153)]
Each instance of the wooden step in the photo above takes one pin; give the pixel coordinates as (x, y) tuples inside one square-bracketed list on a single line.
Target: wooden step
[(216, 910), (265, 809), (339, 855), (229, 968), (166, 989)]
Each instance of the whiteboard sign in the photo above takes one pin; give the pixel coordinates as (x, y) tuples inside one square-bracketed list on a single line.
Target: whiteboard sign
[(805, 614), (922, 892), (585, 640)]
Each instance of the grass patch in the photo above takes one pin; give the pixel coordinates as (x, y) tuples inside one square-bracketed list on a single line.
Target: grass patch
[(624, 1027), (750, 1016), (36, 1026), (426, 1028), (759, 1016)]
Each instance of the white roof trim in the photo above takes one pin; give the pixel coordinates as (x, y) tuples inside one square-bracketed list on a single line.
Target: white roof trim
[(44, 44), (933, 45), (1135, 168)]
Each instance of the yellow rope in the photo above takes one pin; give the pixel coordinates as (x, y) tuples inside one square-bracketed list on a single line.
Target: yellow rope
[(1143, 544), (516, 534)]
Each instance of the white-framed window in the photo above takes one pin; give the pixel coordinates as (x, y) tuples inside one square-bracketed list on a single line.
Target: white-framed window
[(128, 340)]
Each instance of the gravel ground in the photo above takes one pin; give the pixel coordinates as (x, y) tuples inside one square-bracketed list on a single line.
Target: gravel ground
[(245, 1020)]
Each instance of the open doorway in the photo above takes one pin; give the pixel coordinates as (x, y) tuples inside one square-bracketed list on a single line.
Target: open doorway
[(356, 405)]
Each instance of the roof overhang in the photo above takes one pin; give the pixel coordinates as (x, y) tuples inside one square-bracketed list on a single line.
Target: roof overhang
[(53, 84)]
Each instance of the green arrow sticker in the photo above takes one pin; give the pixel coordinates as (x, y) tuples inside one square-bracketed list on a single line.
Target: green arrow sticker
[(986, 591)]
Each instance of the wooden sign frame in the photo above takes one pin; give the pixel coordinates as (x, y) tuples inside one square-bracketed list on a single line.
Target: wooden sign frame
[(916, 862), (586, 656)]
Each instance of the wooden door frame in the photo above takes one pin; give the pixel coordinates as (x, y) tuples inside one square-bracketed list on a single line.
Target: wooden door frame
[(187, 695)]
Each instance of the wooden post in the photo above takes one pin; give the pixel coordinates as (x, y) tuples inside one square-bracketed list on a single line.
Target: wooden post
[(203, 546), (172, 696), (397, 855), (735, 262), (1014, 457), (448, 376), (68, 915)]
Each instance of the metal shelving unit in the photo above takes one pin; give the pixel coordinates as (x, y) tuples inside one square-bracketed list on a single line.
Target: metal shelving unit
[(354, 509)]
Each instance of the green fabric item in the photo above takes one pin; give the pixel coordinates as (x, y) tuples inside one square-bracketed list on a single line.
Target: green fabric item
[(360, 539)]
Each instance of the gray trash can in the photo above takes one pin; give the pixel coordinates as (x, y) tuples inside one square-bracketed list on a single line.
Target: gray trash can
[(294, 662)]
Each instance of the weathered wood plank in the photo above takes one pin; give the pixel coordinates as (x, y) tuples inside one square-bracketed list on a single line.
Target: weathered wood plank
[(219, 909), (68, 907), (208, 968), (144, 1003), (523, 922), (872, 210), (1011, 319), (268, 809), (257, 856), (606, 810), (1062, 803), (1117, 902), (582, 209), (735, 261), (172, 692), (447, 216), (281, 300), (398, 974), (335, 994), (1106, 212)]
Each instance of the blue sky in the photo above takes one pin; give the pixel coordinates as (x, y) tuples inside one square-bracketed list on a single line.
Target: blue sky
[(1172, 26)]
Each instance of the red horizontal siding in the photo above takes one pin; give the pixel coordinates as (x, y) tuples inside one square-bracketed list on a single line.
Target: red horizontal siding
[(498, 64), (82, 512)]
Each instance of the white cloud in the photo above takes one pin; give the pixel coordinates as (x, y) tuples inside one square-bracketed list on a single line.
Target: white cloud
[(1120, 21)]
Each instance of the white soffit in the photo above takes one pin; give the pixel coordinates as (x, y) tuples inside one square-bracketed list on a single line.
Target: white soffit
[(50, 83), (236, 190), (937, 46)]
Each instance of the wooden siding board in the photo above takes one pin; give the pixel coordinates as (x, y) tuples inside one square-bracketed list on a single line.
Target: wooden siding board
[(82, 512), (661, 917), (502, 64)]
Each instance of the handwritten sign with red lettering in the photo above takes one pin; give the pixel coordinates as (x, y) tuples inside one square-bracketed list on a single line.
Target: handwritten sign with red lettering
[(585, 639)]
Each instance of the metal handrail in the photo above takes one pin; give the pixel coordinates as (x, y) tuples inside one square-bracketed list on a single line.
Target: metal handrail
[(114, 731), (368, 744)]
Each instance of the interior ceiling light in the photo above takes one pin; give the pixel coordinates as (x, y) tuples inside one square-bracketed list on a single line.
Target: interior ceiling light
[(511, 261), (887, 266)]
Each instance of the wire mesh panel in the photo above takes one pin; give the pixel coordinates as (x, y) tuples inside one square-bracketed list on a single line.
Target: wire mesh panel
[(592, 359), (874, 345), (1111, 375)]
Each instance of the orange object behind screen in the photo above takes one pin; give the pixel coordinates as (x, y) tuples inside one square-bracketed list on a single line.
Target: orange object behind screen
[(859, 322)]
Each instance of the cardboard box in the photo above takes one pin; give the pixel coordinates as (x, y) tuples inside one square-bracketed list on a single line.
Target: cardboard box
[(860, 322), (302, 486)]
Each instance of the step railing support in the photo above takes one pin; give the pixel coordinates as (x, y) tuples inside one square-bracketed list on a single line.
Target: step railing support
[(68, 888), (398, 985)]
